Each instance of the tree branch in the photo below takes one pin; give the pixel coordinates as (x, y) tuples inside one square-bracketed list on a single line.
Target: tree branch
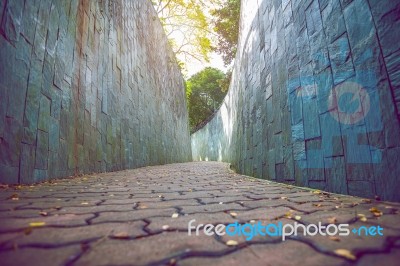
[(169, 1)]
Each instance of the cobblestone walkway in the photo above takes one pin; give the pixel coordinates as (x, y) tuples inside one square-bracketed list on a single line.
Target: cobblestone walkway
[(140, 217)]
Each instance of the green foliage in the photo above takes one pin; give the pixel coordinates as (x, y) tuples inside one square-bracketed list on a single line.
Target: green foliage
[(187, 26), (226, 81), (226, 25), (204, 94)]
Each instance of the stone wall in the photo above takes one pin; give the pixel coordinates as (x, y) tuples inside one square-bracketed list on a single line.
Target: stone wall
[(315, 97), (87, 86)]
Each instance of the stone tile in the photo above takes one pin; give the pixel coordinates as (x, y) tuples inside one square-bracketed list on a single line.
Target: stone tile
[(39, 256), (340, 55), (358, 244), (261, 213), (167, 245), (373, 259), (181, 223), (333, 22), (62, 236), (134, 215), (9, 224), (10, 144), (264, 203), (285, 253), (216, 207)]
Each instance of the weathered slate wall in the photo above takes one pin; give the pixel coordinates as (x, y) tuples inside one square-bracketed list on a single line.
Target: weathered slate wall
[(315, 97), (87, 86)]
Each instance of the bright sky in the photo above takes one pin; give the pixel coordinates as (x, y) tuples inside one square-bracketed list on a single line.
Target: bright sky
[(196, 66)]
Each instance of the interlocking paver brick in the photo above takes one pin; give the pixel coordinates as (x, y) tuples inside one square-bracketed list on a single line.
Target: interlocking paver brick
[(166, 203), (95, 209), (40, 256), (141, 217), (133, 215), (163, 246), (181, 223), (264, 203), (53, 220), (227, 199), (283, 254), (63, 236), (379, 259), (215, 207)]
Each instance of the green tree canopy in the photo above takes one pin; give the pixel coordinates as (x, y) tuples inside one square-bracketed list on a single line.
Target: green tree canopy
[(187, 27), (226, 25), (204, 94)]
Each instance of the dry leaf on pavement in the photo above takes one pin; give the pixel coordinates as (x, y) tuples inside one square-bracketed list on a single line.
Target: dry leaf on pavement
[(37, 224), (345, 253), (232, 243), (375, 212), (332, 220), (120, 235)]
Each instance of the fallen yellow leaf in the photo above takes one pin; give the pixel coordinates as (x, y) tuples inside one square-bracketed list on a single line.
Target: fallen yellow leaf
[(37, 224), (232, 243), (288, 214), (334, 238), (332, 220), (345, 253), (13, 197), (175, 215), (297, 217), (120, 235), (233, 214), (362, 217), (375, 212)]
